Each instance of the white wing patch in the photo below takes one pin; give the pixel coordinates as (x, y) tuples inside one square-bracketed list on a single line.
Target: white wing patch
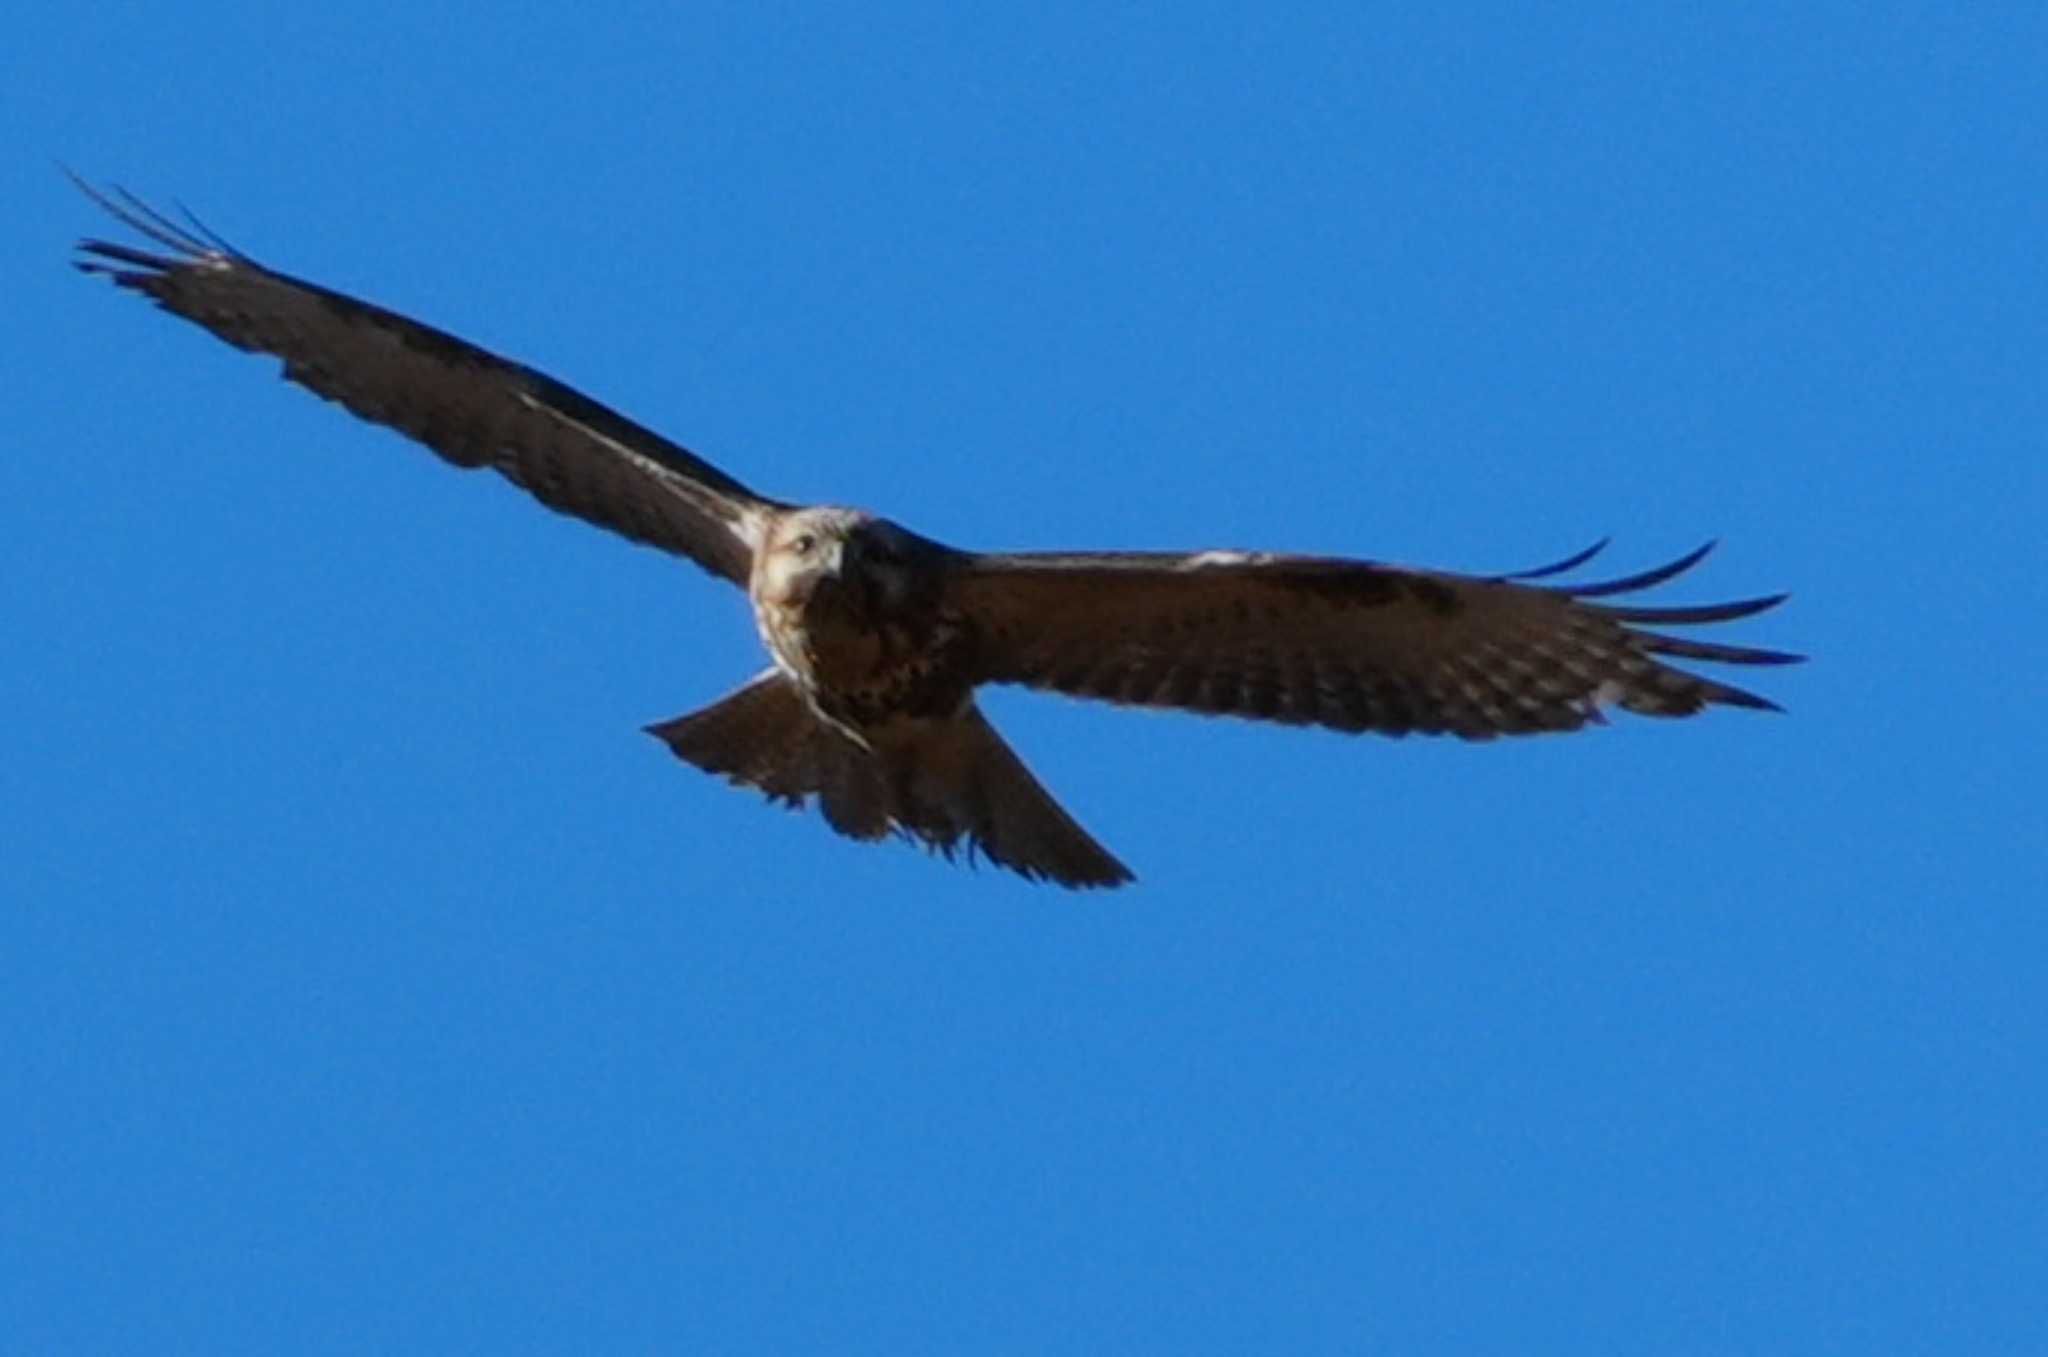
[(1218, 560)]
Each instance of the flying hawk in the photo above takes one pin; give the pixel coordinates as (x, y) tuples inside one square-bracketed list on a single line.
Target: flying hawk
[(879, 637)]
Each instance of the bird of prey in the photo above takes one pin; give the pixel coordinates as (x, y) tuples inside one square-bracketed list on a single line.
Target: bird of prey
[(879, 637)]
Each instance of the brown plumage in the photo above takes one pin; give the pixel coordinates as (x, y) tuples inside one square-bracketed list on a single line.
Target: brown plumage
[(880, 636)]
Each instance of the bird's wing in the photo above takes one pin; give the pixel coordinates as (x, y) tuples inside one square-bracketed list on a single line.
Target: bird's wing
[(1351, 645), (472, 407)]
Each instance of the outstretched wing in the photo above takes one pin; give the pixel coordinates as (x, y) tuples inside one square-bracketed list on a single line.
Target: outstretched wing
[(472, 407), (1350, 645)]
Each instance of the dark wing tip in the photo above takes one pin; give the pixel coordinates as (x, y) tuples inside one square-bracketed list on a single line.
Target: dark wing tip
[(98, 252), (1637, 622), (1647, 579), (188, 241), (1657, 643), (1728, 695), (1571, 562), (1681, 615), (1695, 613)]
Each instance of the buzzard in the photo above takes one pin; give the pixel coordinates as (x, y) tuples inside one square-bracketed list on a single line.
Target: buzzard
[(879, 637)]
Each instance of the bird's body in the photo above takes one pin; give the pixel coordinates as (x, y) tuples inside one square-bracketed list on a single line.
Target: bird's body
[(879, 637), (851, 606)]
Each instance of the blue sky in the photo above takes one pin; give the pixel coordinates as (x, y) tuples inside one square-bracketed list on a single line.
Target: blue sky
[(372, 983)]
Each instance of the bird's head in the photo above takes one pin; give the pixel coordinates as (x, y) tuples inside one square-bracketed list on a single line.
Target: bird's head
[(848, 556)]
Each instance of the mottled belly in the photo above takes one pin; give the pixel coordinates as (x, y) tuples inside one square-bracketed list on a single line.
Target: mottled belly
[(865, 674)]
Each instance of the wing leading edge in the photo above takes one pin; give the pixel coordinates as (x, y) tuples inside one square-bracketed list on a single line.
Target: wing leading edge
[(471, 406)]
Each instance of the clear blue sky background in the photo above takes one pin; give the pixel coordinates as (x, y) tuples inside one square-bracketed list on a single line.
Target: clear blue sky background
[(368, 982)]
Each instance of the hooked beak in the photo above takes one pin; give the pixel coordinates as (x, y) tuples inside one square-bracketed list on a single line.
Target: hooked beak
[(838, 558)]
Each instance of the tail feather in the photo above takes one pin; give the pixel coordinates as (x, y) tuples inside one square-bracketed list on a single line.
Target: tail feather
[(943, 782), (766, 736), (958, 779)]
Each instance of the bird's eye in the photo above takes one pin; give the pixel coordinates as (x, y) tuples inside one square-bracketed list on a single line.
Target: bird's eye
[(803, 543)]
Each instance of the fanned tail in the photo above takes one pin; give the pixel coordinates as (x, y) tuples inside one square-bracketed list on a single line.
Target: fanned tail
[(766, 736), (951, 783), (957, 779)]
